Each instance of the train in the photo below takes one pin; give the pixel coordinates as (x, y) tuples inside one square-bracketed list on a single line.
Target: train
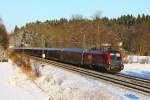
[(109, 61)]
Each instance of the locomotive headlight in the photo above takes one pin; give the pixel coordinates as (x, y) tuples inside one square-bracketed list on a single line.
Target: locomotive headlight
[(122, 67), (43, 55), (117, 54)]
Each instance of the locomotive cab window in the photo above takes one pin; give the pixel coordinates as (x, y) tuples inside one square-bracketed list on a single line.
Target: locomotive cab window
[(115, 56)]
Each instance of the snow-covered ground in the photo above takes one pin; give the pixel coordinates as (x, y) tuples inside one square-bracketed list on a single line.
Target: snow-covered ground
[(138, 66), (138, 70), (14, 85), (64, 85), (59, 85)]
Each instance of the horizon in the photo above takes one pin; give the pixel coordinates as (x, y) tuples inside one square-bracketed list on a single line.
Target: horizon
[(21, 12)]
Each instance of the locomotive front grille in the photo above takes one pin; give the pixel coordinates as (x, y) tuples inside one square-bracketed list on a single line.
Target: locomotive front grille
[(116, 67)]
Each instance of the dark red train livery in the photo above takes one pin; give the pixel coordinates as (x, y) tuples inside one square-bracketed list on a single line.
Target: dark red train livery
[(106, 60)]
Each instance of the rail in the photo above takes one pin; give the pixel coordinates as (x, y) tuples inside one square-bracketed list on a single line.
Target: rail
[(134, 83)]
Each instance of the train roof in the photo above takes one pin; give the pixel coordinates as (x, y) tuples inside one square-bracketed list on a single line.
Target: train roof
[(67, 49), (103, 51), (73, 50)]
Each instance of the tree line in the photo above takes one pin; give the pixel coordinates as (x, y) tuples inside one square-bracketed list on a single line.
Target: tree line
[(127, 32), (3, 36)]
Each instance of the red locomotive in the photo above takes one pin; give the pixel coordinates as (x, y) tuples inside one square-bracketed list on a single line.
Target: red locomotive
[(106, 60)]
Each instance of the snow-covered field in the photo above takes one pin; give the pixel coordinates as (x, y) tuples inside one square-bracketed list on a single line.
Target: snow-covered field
[(58, 84), (138, 66), (138, 70), (14, 85)]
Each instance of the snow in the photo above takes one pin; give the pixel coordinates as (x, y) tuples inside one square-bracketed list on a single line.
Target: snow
[(138, 66), (58, 84), (14, 85), (137, 59), (64, 85), (138, 70)]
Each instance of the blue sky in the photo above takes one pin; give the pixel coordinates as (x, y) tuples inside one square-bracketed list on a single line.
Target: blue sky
[(19, 12)]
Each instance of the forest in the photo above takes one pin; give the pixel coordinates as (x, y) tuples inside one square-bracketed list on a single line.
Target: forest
[(129, 33), (3, 36)]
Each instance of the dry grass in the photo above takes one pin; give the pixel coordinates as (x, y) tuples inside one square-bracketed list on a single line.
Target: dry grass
[(28, 72), (24, 63)]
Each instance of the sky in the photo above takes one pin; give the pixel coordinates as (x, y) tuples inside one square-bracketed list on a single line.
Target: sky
[(20, 12)]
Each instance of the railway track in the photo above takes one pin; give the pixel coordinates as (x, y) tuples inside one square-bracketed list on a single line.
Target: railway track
[(130, 82), (144, 81)]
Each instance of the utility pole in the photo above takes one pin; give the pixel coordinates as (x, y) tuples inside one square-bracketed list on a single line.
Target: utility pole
[(100, 43), (43, 47), (83, 39)]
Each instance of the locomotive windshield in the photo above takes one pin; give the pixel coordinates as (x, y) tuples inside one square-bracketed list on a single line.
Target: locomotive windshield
[(115, 56)]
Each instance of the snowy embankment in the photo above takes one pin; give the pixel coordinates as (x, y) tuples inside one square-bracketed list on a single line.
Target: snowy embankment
[(14, 85), (138, 66), (58, 84), (138, 70), (65, 85)]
